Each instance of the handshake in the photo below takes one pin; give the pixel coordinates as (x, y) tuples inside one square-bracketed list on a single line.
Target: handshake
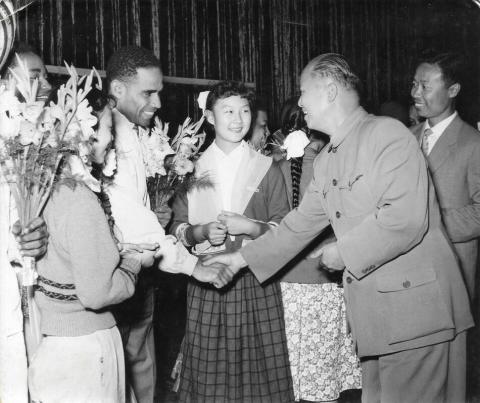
[(218, 270)]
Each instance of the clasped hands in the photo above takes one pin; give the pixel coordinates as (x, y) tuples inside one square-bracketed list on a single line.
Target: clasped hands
[(228, 223), (219, 269)]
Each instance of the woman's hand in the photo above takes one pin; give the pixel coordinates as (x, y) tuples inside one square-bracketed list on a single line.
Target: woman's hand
[(238, 224), (214, 232)]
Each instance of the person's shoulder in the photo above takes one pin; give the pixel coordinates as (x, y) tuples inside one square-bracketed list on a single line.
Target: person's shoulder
[(385, 129), (274, 171), (72, 194), (468, 132)]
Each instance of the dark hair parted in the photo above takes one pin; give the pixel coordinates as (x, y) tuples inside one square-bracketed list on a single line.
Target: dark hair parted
[(336, 67), (123, 64), (227, 89), (452, 66)]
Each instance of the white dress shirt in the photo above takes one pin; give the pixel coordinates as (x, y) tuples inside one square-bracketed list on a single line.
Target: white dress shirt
[(130, 177), (437, 130), (226, 170), (131, 204)]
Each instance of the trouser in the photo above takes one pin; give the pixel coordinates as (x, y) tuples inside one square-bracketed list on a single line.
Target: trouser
[(135, 320), (13, 369), (432, 374), (80, 369)]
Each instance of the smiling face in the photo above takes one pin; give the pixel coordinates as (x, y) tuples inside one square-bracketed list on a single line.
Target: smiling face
[(36, 70), (314, 99), (138, 98), (231, 118), (103, 137), (433, 99)]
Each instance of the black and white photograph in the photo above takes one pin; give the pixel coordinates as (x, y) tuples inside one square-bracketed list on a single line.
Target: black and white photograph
[(239, 201)]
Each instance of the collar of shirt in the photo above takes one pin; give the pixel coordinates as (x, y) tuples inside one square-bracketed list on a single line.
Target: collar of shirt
[(126, 134), (233, 158), (346, 127), (438, 129)]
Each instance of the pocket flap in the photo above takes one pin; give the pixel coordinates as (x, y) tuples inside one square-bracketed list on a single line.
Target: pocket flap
[(404, 281)]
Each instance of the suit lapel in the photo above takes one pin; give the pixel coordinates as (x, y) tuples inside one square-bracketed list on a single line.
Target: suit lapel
[(445, 145)]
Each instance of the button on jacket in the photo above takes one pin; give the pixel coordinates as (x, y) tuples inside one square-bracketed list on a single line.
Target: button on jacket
[(389, 234)]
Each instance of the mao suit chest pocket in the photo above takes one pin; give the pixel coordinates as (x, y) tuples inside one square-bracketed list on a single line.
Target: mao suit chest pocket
[(355, 196)]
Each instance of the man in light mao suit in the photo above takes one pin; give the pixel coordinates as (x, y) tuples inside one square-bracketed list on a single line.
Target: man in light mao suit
[(406, 300)]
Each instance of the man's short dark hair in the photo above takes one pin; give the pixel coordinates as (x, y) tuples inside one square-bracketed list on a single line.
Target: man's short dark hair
[(452, 66), (123, 64)]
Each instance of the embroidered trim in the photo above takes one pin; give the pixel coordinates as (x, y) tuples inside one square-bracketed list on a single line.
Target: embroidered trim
[(56, 295), (56, 285)]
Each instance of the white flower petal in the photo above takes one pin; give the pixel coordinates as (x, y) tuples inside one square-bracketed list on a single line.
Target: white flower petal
[(202, 100)]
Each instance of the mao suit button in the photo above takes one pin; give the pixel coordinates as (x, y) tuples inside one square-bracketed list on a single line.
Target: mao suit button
[(406, 284), (348, 280), (337, 214), (334, 149), (334, 182)]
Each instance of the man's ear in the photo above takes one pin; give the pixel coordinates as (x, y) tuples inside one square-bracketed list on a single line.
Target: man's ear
[(453, 90), (117, 89), (332, 91), (209, 117)]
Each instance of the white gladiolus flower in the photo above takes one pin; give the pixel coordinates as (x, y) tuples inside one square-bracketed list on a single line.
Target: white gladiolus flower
[(295, 144)]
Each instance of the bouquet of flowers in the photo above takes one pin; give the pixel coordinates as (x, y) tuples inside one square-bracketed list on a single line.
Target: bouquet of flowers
[(169, 162), (33, 140)]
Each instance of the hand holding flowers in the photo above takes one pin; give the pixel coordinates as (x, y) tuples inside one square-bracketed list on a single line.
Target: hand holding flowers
[(34, 138), (170, 164)]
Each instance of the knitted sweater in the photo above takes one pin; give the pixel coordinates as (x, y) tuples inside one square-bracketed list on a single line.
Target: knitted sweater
[(79, 276)]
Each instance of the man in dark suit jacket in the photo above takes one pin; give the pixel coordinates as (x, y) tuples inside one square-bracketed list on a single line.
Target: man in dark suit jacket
[(452, 149), (406, 301)]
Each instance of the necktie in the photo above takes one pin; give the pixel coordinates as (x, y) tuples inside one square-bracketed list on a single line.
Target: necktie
[(425, 141)]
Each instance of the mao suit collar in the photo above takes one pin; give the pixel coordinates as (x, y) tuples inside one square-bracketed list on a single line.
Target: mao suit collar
[(347, 127)]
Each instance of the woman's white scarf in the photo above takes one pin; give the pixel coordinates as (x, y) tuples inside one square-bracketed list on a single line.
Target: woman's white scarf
[(204, 205)]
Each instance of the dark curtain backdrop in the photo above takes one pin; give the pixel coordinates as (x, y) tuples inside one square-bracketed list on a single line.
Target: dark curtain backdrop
[(262, 41)]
